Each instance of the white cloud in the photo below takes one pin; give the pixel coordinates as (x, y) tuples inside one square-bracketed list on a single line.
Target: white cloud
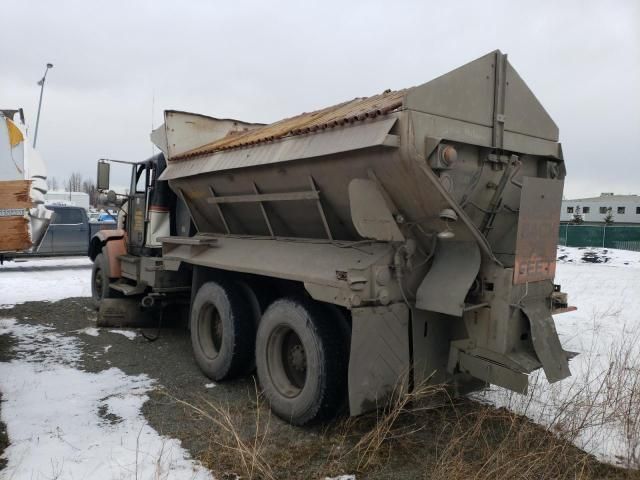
[(119, 64)]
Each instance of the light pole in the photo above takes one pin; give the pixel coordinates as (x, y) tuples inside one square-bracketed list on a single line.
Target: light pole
[(41, 83)]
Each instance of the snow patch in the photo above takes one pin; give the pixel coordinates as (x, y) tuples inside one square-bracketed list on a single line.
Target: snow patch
[(92, 331), (608, 256), (44, 280), (40, 343), (130, 334), (92, 426)]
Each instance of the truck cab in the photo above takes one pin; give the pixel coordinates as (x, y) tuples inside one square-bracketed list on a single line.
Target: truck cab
[(125, 258)]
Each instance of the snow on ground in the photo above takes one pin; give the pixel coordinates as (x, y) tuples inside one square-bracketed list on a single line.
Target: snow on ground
[(63, 422), (597, 401), (130, 334), (50, 279), (607, 256), (92, 331)]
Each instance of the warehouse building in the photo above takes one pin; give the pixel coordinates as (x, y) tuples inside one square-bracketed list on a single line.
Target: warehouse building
[(618, 209)]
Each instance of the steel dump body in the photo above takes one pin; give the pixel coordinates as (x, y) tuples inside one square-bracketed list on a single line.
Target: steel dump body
[(430, 213), (392, 147)]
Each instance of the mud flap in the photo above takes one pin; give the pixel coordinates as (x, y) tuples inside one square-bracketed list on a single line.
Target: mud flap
[(379, 361), (444, 288), (545, 340)]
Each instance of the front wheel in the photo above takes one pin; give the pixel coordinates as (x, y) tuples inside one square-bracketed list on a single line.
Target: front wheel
[(100, 281), (301, 360)]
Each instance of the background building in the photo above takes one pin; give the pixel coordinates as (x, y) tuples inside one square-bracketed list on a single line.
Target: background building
[(79, 199), (618, 209)]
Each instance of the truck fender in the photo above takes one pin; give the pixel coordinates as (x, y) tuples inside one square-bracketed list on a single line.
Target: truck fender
[(112, 244)]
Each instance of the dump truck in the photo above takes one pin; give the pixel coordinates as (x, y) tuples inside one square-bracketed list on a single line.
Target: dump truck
[(355, 251), (23, 218)]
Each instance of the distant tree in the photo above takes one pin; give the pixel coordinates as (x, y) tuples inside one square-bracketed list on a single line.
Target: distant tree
[(89, 188), (75, 182), (577, 217), (608, 218), (52, 183)]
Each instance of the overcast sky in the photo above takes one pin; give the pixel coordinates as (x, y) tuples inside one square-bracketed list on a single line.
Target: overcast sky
[(119, 64)]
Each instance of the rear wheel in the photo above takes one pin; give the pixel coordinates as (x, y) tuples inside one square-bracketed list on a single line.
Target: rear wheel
[(222, 330), (301, 360), (100, 281)]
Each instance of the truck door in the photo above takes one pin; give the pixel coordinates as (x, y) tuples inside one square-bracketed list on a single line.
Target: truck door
[(136, 216)]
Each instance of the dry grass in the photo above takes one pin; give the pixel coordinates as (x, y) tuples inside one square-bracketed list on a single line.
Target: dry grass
[(424, 433), (485, 443), (598, 408), (387, 427), (244, 455)]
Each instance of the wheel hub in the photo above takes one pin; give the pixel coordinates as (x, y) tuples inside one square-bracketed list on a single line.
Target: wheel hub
[(297, 358)]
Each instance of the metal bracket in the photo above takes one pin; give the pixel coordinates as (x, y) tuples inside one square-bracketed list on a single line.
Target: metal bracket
[(224, 220), (499, 100)]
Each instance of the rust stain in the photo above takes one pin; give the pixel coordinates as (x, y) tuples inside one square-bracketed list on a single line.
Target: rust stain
[(15, 194), (15, 234), (356, 110), (537, 235)]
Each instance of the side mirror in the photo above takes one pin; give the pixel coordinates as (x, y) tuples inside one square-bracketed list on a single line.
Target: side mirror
[(103, 175), (112, 198)]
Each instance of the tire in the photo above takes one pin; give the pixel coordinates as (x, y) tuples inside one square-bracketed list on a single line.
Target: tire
[(301, 361), (222, 330), (257, 305), (100, 281)]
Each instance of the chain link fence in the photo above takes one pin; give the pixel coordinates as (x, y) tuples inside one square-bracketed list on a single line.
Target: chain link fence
[(625, 237)]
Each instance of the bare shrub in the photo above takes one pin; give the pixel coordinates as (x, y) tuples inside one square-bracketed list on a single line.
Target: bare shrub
[(598, 408), (245, 456), (404, 403), (485, 443)]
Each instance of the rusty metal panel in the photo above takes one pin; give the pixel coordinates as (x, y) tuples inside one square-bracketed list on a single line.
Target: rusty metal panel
[(370, 134), (538, 224), (355, 110)]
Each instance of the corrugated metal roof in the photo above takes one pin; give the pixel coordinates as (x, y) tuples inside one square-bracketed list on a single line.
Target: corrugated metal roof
[(352, 111)]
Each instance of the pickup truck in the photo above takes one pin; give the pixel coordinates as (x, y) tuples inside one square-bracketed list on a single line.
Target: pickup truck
[(69, 232)]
